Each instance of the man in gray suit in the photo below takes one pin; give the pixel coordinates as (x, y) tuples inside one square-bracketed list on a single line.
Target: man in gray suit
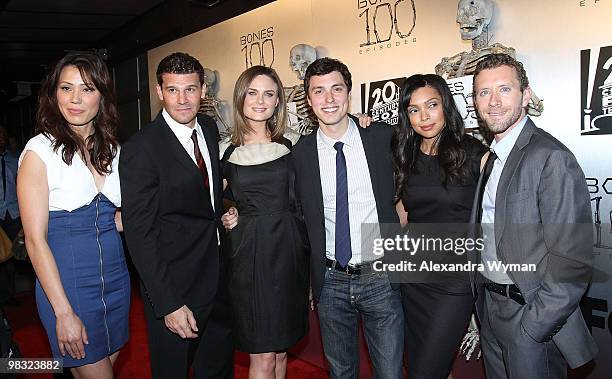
[(533, 196)]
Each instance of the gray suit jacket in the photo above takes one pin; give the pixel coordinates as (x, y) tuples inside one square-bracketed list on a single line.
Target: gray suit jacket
[(543, 217)]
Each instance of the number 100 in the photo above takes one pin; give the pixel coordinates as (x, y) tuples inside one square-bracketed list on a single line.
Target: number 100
[(393, 23)]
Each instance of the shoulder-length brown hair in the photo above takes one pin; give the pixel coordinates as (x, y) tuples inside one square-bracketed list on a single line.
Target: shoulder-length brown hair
[(101, 146), (276, 124)]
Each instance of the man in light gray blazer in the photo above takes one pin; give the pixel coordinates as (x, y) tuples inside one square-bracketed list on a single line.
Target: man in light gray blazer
[(534, 207)]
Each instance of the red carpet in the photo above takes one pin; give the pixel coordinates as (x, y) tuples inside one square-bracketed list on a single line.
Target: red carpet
[(133, 361)]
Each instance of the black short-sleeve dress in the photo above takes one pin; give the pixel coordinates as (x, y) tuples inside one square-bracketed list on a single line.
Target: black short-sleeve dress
[(437, 314), (267, 250)]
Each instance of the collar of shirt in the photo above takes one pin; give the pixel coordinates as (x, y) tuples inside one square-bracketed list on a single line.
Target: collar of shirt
[(505, 145), (349, 138), (182, 132)]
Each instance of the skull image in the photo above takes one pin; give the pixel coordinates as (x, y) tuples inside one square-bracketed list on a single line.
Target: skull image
[(473, 16), (210, 79), (300, 57)]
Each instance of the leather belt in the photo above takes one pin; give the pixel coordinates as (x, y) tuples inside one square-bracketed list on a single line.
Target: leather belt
[(363, 268), (507, 290)]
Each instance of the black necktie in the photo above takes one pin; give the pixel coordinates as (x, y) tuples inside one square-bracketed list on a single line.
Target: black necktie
[(485, 177), (3, 177), (343, 228), (200, 159)]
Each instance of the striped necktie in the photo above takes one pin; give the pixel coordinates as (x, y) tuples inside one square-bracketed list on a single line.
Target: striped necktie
[(200, 159)]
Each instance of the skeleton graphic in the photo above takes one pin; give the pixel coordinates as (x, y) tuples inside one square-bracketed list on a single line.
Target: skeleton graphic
[(211, 105), (300, 57), (302, 119), (474, 17)]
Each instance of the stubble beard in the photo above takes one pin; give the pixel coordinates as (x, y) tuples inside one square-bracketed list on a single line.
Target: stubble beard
[(501, 125)]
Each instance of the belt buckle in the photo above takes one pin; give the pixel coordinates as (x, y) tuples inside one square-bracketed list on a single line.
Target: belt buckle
[(347, 269)]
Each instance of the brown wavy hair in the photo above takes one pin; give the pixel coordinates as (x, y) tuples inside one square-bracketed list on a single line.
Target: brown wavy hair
[(496, 60), (276, 124), (101, 146)]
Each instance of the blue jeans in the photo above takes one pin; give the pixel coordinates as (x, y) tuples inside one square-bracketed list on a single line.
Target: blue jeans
[(343, 299)]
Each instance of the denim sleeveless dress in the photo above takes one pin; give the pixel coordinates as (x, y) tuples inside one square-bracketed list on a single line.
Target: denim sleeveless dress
[(89, 255)]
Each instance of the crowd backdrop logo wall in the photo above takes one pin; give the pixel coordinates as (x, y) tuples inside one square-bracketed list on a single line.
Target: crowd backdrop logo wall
[(258, 47), (381, 100), (599, 186), (584, 3), (461, 88), (596, 90), (386, 24), (597, 313)]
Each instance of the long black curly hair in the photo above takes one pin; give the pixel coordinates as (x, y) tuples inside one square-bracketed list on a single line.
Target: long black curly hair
[(406, 143)]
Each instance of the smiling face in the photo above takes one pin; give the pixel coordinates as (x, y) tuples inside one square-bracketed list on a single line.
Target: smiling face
[(426, 114), (499, 100), (260, 100), (180, 95), (78, 99), (329, 98)]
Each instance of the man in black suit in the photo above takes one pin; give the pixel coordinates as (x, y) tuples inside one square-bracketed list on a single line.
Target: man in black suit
[(171, 202), (344, 180)]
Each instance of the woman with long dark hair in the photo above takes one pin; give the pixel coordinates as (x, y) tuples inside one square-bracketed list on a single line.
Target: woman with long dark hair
[(68, 192), (436, 170), (268, 252)]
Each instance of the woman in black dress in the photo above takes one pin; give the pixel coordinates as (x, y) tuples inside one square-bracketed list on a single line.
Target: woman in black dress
[(268, 252), (436, 170)]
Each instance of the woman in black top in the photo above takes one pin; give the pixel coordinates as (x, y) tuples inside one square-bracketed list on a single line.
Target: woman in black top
[(436, 170)]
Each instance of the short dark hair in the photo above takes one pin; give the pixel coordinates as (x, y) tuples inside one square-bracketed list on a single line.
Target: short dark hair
[(500, 59), (179, 63), (324, 66)]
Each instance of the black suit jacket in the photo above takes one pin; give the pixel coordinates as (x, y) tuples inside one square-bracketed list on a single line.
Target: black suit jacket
[(376, 141), (170, 225)]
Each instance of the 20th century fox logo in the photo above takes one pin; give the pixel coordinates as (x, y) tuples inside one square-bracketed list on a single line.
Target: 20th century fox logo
[(596, 91), (381, 100)]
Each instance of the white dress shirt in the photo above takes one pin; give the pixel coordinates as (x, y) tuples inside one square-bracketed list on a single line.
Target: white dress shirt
[(502, 150), (362, 204), (183, 134)]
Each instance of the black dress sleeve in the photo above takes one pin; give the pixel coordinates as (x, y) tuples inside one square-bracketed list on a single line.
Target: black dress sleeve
[(287, 143), (227, 194), (230, 149)]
